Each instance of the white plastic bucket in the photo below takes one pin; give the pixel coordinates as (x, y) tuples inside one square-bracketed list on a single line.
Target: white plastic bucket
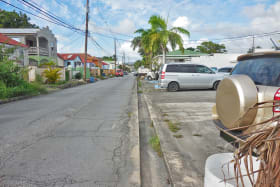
[(214, 176)]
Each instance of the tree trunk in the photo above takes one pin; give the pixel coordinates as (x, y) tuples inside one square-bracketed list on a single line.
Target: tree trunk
[(163, 55)]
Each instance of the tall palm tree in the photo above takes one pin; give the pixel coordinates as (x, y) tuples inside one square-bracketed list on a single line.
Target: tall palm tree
[(160, 35)]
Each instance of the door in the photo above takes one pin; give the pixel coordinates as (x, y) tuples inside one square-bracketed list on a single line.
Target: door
[(186, 75), (204, 77)]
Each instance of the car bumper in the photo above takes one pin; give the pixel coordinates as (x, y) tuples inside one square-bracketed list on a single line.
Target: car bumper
[(163, 85)]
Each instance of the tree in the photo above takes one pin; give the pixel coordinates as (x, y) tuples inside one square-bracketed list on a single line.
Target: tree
[(109, 58), (15, 20), (161, 36), (211, 47), (138, 64), (191, 49)]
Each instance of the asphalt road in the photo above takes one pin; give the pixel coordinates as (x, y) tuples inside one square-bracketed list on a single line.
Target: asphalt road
[(75, 137)]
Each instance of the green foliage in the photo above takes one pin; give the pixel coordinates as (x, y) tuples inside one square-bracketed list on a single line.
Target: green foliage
[(10, 74), (67, 75), (78, 75), (52, 74), (109, 58), (155, 143), (39, 79), (15, 20), (138, 64), (154, 41), (3, 90), (211, 47)]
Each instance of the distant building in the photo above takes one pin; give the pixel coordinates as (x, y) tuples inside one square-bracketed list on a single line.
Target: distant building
[(42, 44), (211, 60), (19, 54)]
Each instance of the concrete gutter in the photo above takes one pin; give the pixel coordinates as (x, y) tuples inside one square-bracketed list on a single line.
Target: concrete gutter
[(156, 127), (173, 160), (135, 176)]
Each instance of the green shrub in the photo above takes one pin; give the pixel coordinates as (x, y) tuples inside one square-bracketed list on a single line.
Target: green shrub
[(78, 75), (3, 90), (39, 79), (52, 74)]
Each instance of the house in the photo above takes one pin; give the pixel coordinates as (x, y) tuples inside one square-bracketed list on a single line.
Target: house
[(111, 64), (178, 56), (211, 60), (19, 54), (41, 42), (68, 59)]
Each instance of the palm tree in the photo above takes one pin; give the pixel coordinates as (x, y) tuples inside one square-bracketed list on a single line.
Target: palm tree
[(143, 44), (160, 35)]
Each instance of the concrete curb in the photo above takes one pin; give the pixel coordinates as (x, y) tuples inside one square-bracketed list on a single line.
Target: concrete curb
[(163, 148), (135, 179)]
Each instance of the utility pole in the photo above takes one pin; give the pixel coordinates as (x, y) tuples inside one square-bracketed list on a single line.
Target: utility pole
[(123, 60), (253, 48), (115, 56), (86, 38)]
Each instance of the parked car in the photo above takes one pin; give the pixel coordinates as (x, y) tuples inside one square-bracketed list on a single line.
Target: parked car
[(225, 70), (125, 73), (177, 76), (255, 79), (142, 71), (215, 69), (119, 73)]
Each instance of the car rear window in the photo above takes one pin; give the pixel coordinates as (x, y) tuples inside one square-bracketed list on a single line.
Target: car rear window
[(172, 68), (225, 70), (263, 71)]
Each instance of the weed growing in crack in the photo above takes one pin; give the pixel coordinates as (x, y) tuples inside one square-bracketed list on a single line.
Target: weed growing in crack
[(178, 135), (196, 134), (155, 143), (129, 114), (173, 127), (152, 124), (164, 114)]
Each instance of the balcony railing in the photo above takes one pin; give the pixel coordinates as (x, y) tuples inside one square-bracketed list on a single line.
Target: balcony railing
[(34, 51)]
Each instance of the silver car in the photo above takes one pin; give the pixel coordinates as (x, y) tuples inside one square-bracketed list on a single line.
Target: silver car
[(177, 76)]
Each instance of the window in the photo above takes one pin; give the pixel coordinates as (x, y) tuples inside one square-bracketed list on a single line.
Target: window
[(225, 70), (187, 68), (262, 70), (203, 69), (172, 68)]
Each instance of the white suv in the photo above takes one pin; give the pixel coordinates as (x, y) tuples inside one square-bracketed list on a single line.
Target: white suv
[(177, 76)]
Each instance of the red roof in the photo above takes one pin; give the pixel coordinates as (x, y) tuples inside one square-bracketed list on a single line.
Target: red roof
[(6, 40), (104, 63), (67, 56), (72, 56)]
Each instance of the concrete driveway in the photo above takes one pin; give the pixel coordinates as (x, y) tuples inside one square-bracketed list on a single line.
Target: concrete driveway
[(83, 136), (187, 134)]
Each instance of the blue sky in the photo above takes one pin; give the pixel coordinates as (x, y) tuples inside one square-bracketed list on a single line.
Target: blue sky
[(205, 19)]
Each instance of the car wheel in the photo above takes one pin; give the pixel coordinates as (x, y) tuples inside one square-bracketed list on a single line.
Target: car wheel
[(215, 85), (173, 87), (149, 78)]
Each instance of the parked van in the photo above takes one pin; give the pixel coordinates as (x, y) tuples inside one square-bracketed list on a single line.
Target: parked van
[(175, 76)]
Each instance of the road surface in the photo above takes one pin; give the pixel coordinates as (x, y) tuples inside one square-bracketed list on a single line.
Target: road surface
[(76, 137)]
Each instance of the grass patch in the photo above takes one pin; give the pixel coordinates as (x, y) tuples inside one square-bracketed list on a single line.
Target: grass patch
[(139, 84), (129, 114), (140, 91), (152, 124), (155, 143), (196, 134), (178, 135), (173, 127)]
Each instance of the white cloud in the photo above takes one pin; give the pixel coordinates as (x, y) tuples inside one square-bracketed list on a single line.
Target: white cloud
[(125, 47), (125, 26), (182, 21)]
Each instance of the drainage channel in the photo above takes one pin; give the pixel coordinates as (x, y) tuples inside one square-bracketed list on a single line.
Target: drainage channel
[(153, 170)]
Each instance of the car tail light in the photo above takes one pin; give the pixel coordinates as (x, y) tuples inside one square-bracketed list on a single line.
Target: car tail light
[(276, 105), (162, 75)]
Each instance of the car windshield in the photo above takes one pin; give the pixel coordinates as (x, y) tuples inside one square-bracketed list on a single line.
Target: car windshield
[(263, 71)]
